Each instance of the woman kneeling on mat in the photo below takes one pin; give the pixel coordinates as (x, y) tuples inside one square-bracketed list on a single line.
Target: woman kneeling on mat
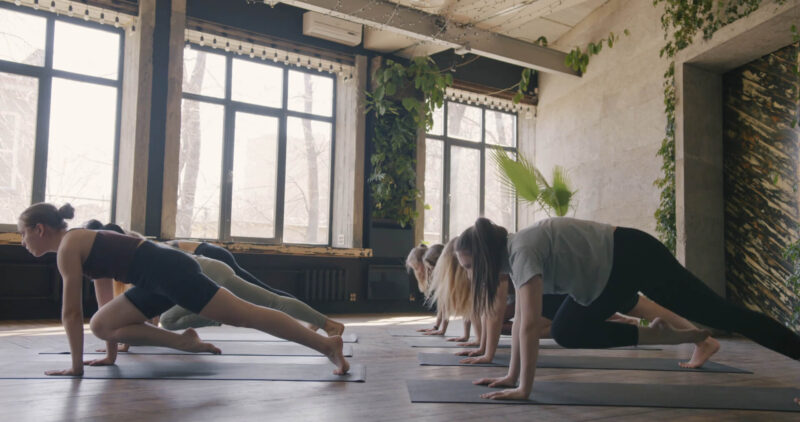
[(162, 277), (601, 268)]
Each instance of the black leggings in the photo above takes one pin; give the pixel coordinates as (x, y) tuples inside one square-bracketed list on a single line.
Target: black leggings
[(221, 254), (642, 263)]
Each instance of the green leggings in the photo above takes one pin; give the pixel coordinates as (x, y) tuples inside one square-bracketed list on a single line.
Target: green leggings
[(177, 318)]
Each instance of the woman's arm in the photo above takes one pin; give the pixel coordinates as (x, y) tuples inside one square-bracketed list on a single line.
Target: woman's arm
[(529, 321), (494, 324), (510, 380), (104, 292), (71, 269), (467, 328), (442, 320)]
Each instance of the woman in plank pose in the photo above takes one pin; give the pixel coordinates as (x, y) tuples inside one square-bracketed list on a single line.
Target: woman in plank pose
[(162, 276), (601, 268)]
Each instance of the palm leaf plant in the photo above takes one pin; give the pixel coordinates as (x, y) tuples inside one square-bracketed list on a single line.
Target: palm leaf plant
[(523, 178)]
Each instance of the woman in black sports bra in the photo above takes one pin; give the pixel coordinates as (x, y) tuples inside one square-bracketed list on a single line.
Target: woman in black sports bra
[(162, 276)]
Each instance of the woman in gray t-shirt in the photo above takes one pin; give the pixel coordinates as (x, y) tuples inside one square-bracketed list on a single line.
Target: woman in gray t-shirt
[(600, 267)]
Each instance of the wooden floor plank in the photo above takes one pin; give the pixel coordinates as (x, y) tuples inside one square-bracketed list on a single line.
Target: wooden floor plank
[(389, 361)]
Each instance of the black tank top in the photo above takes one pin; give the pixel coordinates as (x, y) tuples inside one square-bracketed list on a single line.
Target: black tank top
[(111, 256)]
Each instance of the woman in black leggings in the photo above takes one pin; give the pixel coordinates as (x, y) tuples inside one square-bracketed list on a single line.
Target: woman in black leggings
[(601, 268), (221, 254)]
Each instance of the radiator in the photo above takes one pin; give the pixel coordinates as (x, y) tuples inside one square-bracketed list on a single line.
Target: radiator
[(325, 285)]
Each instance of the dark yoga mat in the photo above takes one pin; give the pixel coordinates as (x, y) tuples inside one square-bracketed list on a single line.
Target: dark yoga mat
[(408, 332), (228, 349), (584, 362), (259, 337), (607, 394), (186, 370), (505, 344)]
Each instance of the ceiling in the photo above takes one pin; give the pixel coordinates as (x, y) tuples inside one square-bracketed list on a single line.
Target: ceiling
[(525, 20)]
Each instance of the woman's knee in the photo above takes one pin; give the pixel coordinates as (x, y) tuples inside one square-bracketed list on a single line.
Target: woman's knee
[(101, 327), (566, 335)]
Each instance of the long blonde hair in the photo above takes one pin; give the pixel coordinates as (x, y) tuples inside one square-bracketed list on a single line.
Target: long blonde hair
[(414, 263), (450, 286)]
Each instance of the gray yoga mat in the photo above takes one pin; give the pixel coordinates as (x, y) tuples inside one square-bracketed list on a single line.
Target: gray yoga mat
[(584, 362), (259, 337), (408, 332), (504, 344), (228, 349), (608, 394), (187, 370)]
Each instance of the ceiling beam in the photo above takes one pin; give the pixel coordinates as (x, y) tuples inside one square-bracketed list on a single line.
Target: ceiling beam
[(423, 26)]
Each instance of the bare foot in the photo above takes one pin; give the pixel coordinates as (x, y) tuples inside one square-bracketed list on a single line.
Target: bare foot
[(193, 343), (702, 351), (333, 328), (335, 355)]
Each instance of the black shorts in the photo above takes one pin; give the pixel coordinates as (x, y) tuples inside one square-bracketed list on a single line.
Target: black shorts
[(163, 277)]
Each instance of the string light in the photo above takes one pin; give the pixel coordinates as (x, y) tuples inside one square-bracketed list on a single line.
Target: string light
[(116, 22), (53, 6), (202, 41), (69, 11), (86, 14), (35, 4), (17, 2)]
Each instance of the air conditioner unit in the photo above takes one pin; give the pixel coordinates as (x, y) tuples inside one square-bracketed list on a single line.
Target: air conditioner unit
[(331, 29)]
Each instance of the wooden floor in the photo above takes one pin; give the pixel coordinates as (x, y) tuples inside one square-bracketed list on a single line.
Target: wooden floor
[(383, 397)]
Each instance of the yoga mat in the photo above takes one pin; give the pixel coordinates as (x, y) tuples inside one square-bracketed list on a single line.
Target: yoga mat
[(585, 362), (187, 370), (547, 345), (608, 394), (406, 332), (259, 337), (228, 349)]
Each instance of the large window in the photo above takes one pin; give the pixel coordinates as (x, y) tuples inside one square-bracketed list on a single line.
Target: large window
[(59, 113), (461, 181), (256, 150)]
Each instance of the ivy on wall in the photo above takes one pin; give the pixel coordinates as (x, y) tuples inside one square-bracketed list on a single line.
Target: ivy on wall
[(682, 20), (403, 101)]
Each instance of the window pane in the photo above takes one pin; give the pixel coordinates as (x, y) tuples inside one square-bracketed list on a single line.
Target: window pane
[(438, 122), (255, 168), (203, 73), (257, 83), (80, 154), (17, 139), (501, 128), (310, 93), (434, 173), (85, 50), (22, 37), (500, 206), (200, 170), (465, 177), (308, 184), (463, 122)]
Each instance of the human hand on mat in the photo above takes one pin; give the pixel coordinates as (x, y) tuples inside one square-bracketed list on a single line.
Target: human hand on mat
[(474, 352), (469, 344), (458, 339), (479, 359), (426, 330), (106, 361), (434, 333), (497, 382), (64, 372), (512, 394)]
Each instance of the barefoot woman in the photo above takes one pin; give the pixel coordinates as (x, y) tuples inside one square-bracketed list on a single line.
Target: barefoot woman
[(162, 277), (601, 268)]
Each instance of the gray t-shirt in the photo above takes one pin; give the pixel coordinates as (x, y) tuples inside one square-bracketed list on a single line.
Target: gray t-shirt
[(572, 256)]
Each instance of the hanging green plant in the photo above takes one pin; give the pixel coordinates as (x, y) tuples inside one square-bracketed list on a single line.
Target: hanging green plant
[(403, 101), (578, 59), (792, 254)]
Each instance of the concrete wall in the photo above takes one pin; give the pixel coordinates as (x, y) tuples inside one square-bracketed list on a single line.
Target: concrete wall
[(606, 127)]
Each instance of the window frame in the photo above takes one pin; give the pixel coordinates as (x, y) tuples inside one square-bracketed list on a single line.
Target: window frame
[(230, 108), (45, 75), (448, 143)]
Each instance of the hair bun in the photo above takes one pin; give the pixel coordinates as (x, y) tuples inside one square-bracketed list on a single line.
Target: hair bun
[(66, 211)]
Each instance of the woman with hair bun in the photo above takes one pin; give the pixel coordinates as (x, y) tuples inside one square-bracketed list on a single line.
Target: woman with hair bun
[(162, 277)]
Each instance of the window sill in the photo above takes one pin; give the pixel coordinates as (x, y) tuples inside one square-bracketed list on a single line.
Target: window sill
[(238, 247)]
